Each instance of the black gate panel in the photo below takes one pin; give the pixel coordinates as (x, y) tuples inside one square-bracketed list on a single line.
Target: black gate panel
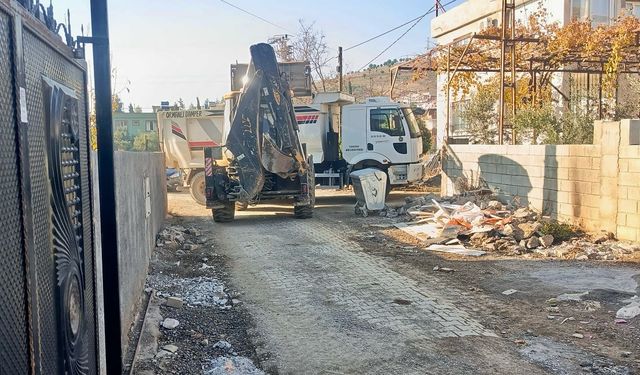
[(14, 355), (54, 83)]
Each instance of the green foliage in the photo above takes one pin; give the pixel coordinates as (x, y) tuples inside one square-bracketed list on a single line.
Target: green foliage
[(575, 127), (559, 231), (147, 141), (481, 117), (544, 125), (427, 142), (534, 122), (121, 140)]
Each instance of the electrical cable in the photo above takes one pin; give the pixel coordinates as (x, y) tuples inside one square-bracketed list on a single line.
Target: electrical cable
[(254, 15), (417, 20)]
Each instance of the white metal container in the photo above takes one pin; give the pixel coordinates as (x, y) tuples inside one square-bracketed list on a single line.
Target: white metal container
[(370, 186)]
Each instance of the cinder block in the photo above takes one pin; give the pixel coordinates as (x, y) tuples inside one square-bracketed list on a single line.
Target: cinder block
[(622, 219), (628, 179), (628, 152), (633, 193), (634, 165), (563, 173), (633, 220), (562, 150), (627, 233), (628, 206), (595, 163)]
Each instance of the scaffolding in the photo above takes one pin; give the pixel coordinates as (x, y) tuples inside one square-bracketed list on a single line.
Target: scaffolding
[(538, 68)]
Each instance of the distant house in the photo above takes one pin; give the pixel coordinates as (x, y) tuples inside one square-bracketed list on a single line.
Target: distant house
[(135, 123), (472, 16)]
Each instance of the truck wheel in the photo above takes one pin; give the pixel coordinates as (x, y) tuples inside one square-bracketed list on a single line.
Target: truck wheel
[(197, 189), (303, 212), (225, 214), (242, 206)]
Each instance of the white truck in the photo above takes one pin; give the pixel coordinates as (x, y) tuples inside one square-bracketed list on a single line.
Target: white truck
[(342, 136)]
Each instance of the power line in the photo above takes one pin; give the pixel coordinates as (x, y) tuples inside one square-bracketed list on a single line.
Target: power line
[(392, 44), (254, 15), (417, 21), (385, 33)]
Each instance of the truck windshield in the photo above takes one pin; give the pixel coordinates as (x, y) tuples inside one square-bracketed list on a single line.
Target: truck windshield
[(414, 129)]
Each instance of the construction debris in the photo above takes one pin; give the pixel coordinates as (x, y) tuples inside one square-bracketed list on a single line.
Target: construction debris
[(170, 323), (477, 222)]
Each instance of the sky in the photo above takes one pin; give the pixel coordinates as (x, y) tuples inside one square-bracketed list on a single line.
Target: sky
[(171, 49)]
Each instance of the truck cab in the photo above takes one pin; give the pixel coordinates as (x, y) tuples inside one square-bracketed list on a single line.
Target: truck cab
[(384, 134)]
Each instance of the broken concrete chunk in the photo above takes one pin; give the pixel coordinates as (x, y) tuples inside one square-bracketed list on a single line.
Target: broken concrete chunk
[(170, 348), (533, 243), (547, 240), (223, 345), (174, 302), (189, 246), (509, 292), (170, 323), (630, 311), (578, 335), (529, 229)]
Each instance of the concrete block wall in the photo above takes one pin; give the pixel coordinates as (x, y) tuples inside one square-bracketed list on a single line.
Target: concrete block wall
[(141, 206), (594, 186)]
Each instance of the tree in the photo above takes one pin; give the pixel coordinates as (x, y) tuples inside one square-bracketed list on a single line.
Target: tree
[(147, 141), (121, 140), (310, 45), (481, 117)]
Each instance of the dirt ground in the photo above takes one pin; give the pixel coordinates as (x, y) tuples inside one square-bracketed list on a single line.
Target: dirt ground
[(341, 294)]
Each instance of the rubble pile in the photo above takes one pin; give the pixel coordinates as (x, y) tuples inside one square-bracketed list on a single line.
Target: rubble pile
[(477, 222)]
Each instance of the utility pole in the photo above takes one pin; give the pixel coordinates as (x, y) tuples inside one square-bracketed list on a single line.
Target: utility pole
[(109, 233), (340, 67)]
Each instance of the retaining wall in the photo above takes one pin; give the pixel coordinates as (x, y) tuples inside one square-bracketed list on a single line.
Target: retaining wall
[(594, 186)]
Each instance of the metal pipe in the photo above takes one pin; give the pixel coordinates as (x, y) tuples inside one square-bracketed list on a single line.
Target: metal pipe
[(448, 93), (109, 234)]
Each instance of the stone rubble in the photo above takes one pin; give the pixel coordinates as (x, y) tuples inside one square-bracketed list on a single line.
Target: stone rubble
[(479, 220)]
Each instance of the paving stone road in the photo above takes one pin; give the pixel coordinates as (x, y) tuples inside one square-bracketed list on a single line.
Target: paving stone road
[(323, 306)]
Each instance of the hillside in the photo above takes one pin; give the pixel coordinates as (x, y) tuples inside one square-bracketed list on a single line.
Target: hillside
[(377, 82)]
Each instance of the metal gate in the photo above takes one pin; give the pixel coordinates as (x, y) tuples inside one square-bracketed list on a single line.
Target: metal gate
[(46, 258)]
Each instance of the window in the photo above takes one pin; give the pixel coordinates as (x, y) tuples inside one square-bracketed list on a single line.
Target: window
[(122, 124), (599, 11), (387, 121), (414, 129), (458, 126), (149, 125), (136, 123)]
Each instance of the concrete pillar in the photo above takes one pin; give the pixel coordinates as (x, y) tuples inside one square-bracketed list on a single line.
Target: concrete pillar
[(607, 134)]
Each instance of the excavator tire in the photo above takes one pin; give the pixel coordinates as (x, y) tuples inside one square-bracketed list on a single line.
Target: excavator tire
[(225, 214), (242, 206), (303, 212)]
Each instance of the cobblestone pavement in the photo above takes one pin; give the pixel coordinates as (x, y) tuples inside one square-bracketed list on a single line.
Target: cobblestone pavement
[(322, 305)]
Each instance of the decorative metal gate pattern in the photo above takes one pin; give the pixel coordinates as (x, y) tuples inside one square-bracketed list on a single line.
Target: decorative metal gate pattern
[(47, 277)]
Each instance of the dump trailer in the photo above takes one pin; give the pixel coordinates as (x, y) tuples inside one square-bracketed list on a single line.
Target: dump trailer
[(183, 136), (263, 158)]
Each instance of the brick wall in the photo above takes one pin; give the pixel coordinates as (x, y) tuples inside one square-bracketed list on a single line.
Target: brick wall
[(594, 186)]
